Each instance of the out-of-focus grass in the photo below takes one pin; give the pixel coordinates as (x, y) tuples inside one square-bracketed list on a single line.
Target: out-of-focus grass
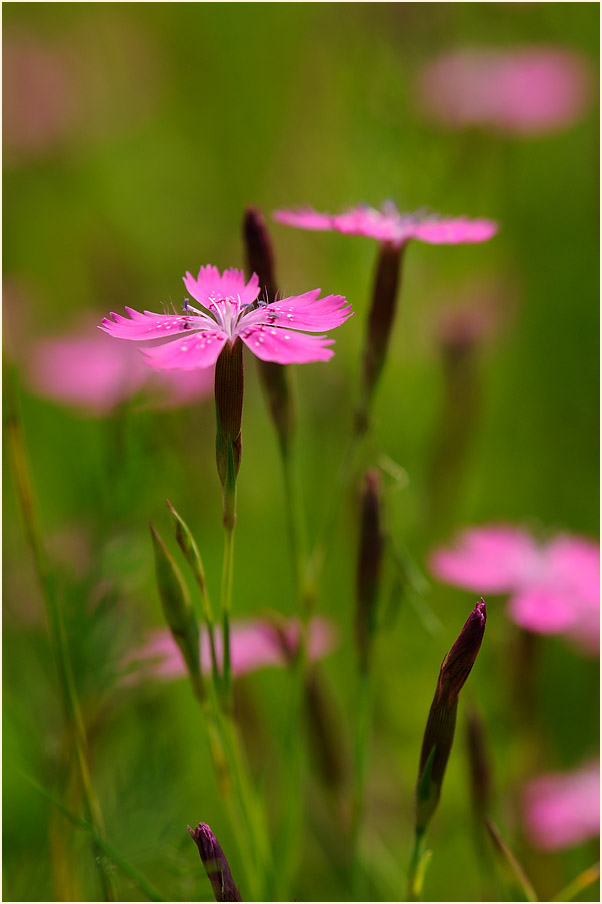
[(184, 114)]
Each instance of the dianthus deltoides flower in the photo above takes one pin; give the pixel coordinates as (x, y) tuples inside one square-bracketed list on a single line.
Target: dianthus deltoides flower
[(554, 587), (389, 225), (393, 230), (228, 310)]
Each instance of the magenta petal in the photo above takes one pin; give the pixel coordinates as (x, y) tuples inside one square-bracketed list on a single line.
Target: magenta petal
[(211, 286), (302, 312), (194, 350), (140, 326), (286, 346), (305, 218), (563, 809), (454, 232), (486, 560)]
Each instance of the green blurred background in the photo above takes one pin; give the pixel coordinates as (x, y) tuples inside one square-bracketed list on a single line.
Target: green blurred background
[(171, 119)]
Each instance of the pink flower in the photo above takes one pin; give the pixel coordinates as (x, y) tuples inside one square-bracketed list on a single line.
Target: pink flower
[(388, 225), (253, 645), (562, 809), (524, 91), (554, 587), (87, 370), (229, 311)]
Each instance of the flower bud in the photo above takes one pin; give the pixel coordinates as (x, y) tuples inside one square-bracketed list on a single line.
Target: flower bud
[(177, 608), (274, 377), (441, 723), (378, 330), (369, 565), (215, 863)]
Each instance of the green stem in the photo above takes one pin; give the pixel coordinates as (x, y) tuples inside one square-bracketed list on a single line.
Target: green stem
[(58, 638), (360, 763), (417, 867), (226, 602)]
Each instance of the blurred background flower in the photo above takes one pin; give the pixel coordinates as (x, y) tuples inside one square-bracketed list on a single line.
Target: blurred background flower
[(562, 809), (554, 586), (522, 91)]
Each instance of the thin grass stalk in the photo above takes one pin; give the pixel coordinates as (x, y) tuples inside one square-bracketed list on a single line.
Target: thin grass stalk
[(127, 868), (58, 638)]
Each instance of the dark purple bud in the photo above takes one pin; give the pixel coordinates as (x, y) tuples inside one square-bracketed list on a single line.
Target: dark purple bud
[(441, 723), (380, 323), (274, 377), (260, 255), (215, 863), (371, 547), (229, 391)]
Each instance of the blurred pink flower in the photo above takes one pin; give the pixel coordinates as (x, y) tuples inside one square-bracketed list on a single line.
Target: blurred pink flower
[(562, 809), (229, 312), (389, 225), (524, 91), (38, 99), (554, 587), (253, 645), (87, 370)]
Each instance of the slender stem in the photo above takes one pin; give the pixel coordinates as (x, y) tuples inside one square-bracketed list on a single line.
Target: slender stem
[(294, 768), (226, 602), (360, 763), (58, 638), (415, 871), (579, 884)]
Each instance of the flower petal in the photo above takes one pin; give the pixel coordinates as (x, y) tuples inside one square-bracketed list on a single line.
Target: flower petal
[(302, 312), (487, 560), (199, 349), (455, 231), (285, 346), (210, 286), (304, 218), (141, 326)]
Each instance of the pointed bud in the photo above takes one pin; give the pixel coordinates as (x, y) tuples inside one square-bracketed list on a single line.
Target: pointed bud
[(378, 329), (229, 390), (441, 723), (369, 565), (177, 608), (187, 544), (274, 377), (215, 863)]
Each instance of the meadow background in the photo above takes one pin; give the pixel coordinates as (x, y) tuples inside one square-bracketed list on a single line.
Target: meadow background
[(168, 120)]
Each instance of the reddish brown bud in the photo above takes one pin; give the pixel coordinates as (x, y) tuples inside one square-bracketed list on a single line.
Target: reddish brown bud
[(441, 723), (378, 329), (215, 863), (274, 377)]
